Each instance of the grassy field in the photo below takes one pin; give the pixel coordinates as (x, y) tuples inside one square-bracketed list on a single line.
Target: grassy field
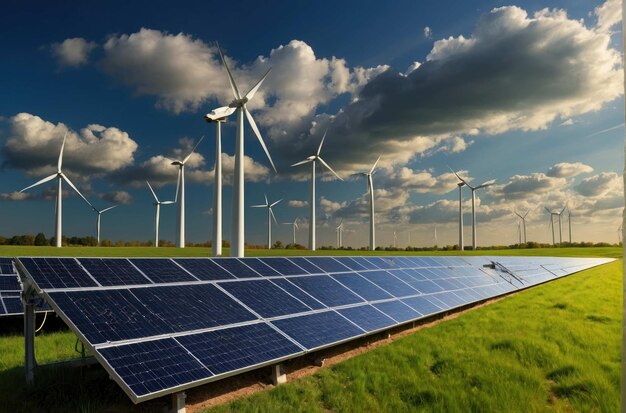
[(554, 347)]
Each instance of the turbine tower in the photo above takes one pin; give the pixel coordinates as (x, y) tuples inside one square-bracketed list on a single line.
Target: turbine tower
[(370, 189), (552, 214), (157, 204), (239, 105), (523, 218), (99, 215), (312, 159), (339, 230), (461, 241), (294, 224), (474, 189), (180, 196), (569, 224), (60, 176), (270, 216)]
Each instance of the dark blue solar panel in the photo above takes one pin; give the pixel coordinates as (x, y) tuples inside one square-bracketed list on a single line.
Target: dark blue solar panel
[(260, 267), (466, 296), (306, 265), (161, 270), (402, 275), (192, 307), (6, 266), (319, 329), (398, 311), (9, 283), (449, 298), (57, 273), (361, 286), (328, 264), (204, 269), (237, 268), (417, 274), (283, 266), (382, 263), (264, 298), (109, 315), (14, 305), (298, 293), (113, 271), (151, 366), (367, 317), (389, 283), (426, 287), (421, 305), (350, 263), (230, 349), (326, 290), (365, 263)]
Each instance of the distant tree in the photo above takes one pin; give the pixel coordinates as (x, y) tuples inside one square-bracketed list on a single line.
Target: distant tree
[(278, 245), (40, 239)]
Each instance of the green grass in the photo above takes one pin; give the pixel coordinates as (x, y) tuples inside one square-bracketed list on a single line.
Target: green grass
[(555, 347)]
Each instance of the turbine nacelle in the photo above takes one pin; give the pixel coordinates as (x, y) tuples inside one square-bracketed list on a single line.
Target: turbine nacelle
[(219, 114)]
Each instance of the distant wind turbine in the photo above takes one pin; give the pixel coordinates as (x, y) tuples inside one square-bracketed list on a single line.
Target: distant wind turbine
[(180, 196), (619, 235), (239, 105), (370, 189), (552, 215), (313, 159), (339, 230), (569, 224), (523, 218), (157, 204), (99, 215), (461, 241), (474, 189), (294, 225), (270, 216), (60, 176)]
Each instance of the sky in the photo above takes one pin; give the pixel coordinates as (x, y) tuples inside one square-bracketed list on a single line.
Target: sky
[(529, 93)]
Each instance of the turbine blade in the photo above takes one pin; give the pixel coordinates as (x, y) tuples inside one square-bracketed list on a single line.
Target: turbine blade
[(302, 162), (258, 206), (273, 216), (329, 168), (60, 162), (74, 188), (193, 150), (43, 181), (266, 201), (276, 202), (563, 210), (375, 163), (258, 135), (461, 179), (319, 148), (152, 190), (233, 85), (109, 208), (177, 185), (547, 210), (486, 184), (167, 202), (254, 89)]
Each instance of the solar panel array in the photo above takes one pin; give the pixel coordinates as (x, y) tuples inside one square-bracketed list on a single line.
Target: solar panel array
[(163, 325), (10, 290)]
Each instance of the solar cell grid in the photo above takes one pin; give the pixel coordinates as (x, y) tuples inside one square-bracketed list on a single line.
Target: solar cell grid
[(237, 268), (6, 266), (361, 286), (350, 263), (298, 293), (367, 317), (260, 267), (398, 311), (389, 283), (328, 264), (113, 271), (264, 298), (9, 283), (57, 273), (326, 290), (204, 269), (283, 266), (161, 270), (306, 265)]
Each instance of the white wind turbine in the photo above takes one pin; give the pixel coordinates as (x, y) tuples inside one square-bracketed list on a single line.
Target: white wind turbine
[(294, 225), (270, 216), (239, 105), (370, 189), (312, 159), (157, 204), (569, 223), (60, 176), (619, 235), (339, 230), (474, 189), (180, 196), (523, 218), (461, 241), (99, 213)]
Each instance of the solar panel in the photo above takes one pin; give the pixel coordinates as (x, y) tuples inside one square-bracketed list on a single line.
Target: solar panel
[(6, 266), (9, 283), (209, 318)]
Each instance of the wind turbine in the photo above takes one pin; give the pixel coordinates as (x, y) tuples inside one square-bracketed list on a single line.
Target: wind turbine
[(474, 189), (180, 196), (157, 204), (294, 224), (370, 189), (60, 176), (99, 215), (523, 218), (552, 214), (218, 116), (569, 224), (461, 241), (560, 227), (312, 159), (619, 235), (270, 215), (339, 230), (239, 105)]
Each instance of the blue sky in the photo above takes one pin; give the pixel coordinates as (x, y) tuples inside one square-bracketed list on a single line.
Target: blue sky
[(520, 92)]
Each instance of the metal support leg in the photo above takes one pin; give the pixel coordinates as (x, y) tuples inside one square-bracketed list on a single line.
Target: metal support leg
[(278, 375), (178, 402), (29, 343)]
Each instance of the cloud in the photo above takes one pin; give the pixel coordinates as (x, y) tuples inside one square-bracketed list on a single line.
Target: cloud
[(17, 196), (34, 144), (568, 170), (428, 33), (521, 186), (72, 52), (609, 14), (294, 203), (118, 197), (599, 185)]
